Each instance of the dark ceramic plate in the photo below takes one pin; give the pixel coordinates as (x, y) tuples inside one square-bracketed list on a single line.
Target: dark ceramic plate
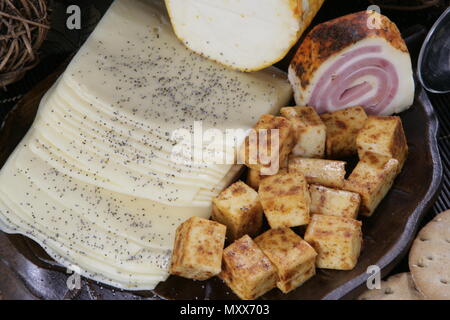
[(27, 272)]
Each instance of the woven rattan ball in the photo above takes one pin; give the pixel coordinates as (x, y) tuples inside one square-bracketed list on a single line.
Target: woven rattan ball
[(23, 28)]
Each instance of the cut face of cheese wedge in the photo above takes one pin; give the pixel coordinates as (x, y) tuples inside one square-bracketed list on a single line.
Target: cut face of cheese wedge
[(94, 181), (349, 62), (243, 35), (143, 69)]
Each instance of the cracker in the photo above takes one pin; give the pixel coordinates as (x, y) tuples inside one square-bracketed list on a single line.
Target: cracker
[(429, 259), (396, 287)]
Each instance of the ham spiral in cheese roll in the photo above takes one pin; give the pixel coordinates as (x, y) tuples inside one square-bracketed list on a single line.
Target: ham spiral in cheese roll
[(358, 59)]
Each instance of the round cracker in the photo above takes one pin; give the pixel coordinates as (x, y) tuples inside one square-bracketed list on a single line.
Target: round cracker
[(396, 287), (429, 259)]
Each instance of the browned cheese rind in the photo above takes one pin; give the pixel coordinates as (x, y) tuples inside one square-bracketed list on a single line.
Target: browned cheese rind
[(337, 240), (285, 199), (383, 136), (309, 131), (372, 178), (343, 127), (273, 134), (333, 202), (328, 173), (330, 38)]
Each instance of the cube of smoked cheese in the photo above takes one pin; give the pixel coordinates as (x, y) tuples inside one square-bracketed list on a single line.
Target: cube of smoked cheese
[(285, 200), (268, 145), (247, 270), (328, 173), (254, 177), (337, 241), (293, 257), (198, 248), (333, 202), (372, 178), (309, 131), (239, 209), (342, 128), (383, 136)]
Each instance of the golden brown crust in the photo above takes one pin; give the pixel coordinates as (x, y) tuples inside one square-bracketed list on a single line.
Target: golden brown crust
[(251, 153), (285, 200), (305, 16), (343, 127), (293, 257), (337, 240), (330, 38), (333, 202), (308, 129), (329, 173), (239, 209), (383, 136), (296, 6)]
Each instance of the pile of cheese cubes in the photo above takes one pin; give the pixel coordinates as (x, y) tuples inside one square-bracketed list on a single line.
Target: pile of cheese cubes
[(308, 190)]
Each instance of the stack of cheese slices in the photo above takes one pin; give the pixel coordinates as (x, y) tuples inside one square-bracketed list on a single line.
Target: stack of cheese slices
[(94, 181)]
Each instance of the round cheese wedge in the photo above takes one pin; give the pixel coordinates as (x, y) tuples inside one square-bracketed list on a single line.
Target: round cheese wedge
[(243, 35)]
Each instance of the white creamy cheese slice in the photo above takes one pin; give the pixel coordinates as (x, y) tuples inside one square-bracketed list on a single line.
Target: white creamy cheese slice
[(145, 140)]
